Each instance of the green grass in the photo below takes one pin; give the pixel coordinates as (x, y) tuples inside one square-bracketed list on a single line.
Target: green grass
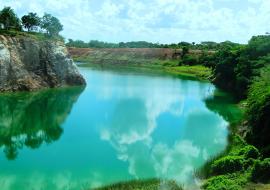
[(198, 71), (34, 35), (235, 168), (163, 66), (151, 184)]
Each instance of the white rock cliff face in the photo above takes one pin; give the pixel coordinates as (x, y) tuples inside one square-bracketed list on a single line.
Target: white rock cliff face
[(27, 64)]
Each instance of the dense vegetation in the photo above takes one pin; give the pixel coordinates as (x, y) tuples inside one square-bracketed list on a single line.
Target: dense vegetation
[(245, 71), (47, 24)]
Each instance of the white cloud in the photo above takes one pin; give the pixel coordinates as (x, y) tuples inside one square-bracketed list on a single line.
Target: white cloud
[(155, 20)]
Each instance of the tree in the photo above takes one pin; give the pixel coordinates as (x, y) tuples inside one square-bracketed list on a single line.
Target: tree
[(258, 111), (185, 51), (51, 24), (9, 19), (31, 21)]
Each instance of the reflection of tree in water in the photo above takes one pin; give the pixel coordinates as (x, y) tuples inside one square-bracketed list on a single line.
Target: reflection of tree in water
[(225, 105), (31, 119)]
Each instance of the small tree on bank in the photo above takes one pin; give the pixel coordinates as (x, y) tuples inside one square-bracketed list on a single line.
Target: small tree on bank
[(9, 19), (31, 21), (51, 24), (185, 51)]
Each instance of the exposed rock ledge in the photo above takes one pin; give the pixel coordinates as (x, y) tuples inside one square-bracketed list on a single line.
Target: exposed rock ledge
[(27, 64)]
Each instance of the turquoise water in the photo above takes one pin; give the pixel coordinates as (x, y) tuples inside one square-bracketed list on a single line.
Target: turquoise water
[(121, 126)]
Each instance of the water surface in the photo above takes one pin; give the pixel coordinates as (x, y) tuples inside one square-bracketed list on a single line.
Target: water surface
[(122, 126)]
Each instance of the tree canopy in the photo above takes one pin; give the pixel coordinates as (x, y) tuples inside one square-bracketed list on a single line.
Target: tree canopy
[(31, 21), (9, 19), (51, 25)]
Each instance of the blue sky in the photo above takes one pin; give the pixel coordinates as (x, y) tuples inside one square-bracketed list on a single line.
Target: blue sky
[(163, 21)]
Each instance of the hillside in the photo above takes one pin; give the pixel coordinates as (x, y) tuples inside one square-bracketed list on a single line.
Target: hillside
[(127, 55)]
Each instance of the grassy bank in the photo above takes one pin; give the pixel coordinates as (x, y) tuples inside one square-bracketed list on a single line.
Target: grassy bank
[(151, 184), (34, 35), (198, 72)]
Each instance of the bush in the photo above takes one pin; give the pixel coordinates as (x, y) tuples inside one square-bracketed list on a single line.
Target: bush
[(190, 60), (261, 171), (249, 152), (227, 164), (225, 182)]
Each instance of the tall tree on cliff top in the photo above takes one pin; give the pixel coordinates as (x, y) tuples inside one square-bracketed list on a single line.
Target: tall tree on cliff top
[(51, 24), (9, 19), (31, 21)]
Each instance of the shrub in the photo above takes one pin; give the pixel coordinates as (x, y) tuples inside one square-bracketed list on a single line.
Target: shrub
[(227, 164), (249, 151), (261, 171), (225, 182), (190, 60)]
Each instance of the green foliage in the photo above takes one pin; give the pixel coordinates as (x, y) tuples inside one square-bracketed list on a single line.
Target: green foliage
[(9, 19), (207, 60), (224, 70), (236, 160), (258, 46), (258, 112), (233, 167), (236, 66), (249, 151), (226, 182), (31, 21), (185, 51), (190, 60), (51, 24), (228, 164), (197, 71), (261, 171), (100, 44), (13, 25), (150, 184), (207, 46)]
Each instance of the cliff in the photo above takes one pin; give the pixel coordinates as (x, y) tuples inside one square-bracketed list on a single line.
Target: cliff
[(27, 64)]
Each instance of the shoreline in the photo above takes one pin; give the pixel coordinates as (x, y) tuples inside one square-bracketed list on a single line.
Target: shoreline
[(196, 72)]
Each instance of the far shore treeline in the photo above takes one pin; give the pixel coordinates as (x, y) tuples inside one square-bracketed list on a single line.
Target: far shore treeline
[(47, 24), (208, 45)]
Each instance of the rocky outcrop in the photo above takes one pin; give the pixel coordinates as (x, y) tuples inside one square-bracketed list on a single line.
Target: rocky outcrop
[(27, 64)]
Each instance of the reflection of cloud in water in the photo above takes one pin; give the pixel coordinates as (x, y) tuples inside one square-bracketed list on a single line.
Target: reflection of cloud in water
[(130, 133), (57, 181), (6, 182)]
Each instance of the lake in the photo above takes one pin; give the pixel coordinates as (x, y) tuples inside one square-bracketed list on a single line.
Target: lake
[(121, 126)]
